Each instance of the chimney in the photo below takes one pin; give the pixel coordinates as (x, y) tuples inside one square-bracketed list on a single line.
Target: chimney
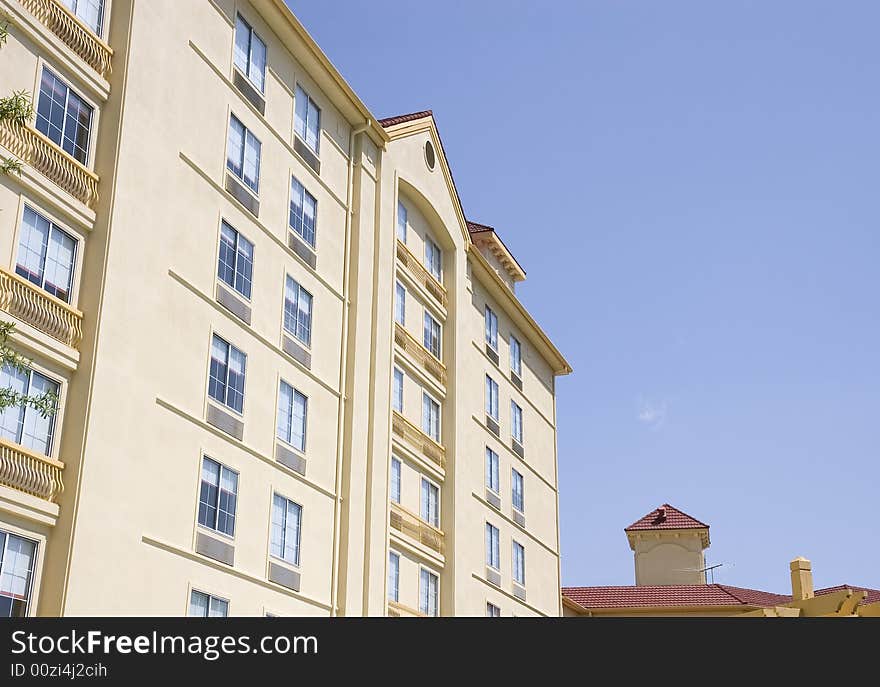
[(801, 579)]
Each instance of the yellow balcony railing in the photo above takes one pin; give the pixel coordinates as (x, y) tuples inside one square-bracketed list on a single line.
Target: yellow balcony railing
[(43, 155), (420, 441), (30, 472), (399, 610), (42, 310), (420, 274), (422, 355), (414, 527), (76, 35)]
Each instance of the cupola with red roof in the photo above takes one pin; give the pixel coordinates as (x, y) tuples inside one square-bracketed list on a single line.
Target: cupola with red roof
[(668, 547)]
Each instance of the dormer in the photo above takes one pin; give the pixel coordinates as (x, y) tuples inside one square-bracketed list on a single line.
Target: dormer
[(492, 248)]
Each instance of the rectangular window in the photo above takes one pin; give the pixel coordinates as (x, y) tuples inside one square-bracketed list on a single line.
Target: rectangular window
[(432, 336), (286, 519), (429, 593), (430, 503), (516, 422), (393, 576), (298, 311), (250, 54), (46, 255), (492, 611), (235, 265), (401, 221), (395, 480), (243, 154), (515, 357), (203, 605), (491, 398), (433, 259), (491, 328), (492, 480), (493, 556), (89, 12), (519, 563), (397, 391), (217, 497), (517, 493), (226, 381), (307, 119), (22, 424), (399, 304), (293, 410), (431, 417), (64, 117), (303, 212), (18, 556)]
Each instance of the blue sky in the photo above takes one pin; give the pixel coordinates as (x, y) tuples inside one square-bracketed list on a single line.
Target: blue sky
[(692, 188)]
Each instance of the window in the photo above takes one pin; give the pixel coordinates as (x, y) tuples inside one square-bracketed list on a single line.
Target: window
[(217, 497), (250, 54), (393, 576), (395, 480), (401, 221), (203, 605), (298, 311), (431, 417), (492, 611), (400, 304), (493, 558), (46, 255), (397, 391), (293, 409), (516, 422), (516, 489), (226, 381), (235, 265), (433, 259), (430, 503), (432, 335), (492, 481), (429, 591), (519, 563), (90, 12), (515, 357), (243, 154), (491, 398), (303, 212), (307, 122), (18, 556), (286, 519), (22, 424), (64, 117), (491, 328)]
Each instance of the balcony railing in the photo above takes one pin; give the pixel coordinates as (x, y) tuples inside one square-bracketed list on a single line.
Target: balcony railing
[(30, 304), (421, 275), (399, 610), (43, 155), (78, 37), (416, 528), (424, 357), (407, 431), (30, 472)]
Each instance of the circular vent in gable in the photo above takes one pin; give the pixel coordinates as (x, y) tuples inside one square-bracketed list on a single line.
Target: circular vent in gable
[(430, 156)]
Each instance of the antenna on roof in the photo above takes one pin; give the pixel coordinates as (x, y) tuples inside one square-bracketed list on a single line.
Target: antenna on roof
[(711, 570)]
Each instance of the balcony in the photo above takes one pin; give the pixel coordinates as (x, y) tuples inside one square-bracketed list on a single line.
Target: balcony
[(39, 152), (420, 274), (399, 610), (414, 527), (422, 443), (32, 305), (76, 35), (422, 355), (30, 472)]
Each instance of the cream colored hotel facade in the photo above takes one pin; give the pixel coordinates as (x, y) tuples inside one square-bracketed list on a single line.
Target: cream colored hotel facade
[(293, 378)]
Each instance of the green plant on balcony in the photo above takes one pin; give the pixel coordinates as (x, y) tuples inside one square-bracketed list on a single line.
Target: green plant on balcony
[(45, 404), (15, 108)]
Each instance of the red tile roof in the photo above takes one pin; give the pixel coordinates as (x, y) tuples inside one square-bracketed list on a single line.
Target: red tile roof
[(476, 227), (400, 119), (666, 517), (873, 594), (649, 596)]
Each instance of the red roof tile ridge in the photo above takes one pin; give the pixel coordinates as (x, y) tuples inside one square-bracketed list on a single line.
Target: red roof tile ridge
[(655, 520), (409, 117)]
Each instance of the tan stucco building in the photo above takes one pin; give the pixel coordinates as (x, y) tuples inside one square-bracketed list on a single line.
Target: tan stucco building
[(294, 379)]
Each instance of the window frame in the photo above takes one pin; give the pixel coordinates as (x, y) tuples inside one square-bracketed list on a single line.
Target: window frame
[(515, 545), (214, 529), (432, 485), (402, 228), (97, 30), (439, 354), (400, 294), (516, 411), (397, 391), (53, 419), (253, 190), (238, 257), (514, 474), (54, 227), (493, 464), (32, 574), (491, 328), (493, 539), (304, 136), (300, 290), (395, 588), (430, 574), (427, 396), (428, 263), (515, 369), (299, 538), (392, 494), (305, 428), (211, 597), (489, 610), (224, 402), (252, 33), (311, 242), (492, 385), (44, 66)]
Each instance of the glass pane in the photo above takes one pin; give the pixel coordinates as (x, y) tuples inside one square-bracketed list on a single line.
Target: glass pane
[(292, 533), (301, 111), (33, 246), (36, 433), (51, 107), (18, 566), (285, 411), (218, 608), (235, 391), (252, 162), (219, 369), (242, 44), (401, 221), (313, 126), (235, 147), (59, 264), (279, 518), (257, 71), (12, 418), (198, 604), (298, 423)]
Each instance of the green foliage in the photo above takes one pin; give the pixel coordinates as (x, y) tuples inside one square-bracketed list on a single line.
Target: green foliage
[(16, 108), (45, 404)]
